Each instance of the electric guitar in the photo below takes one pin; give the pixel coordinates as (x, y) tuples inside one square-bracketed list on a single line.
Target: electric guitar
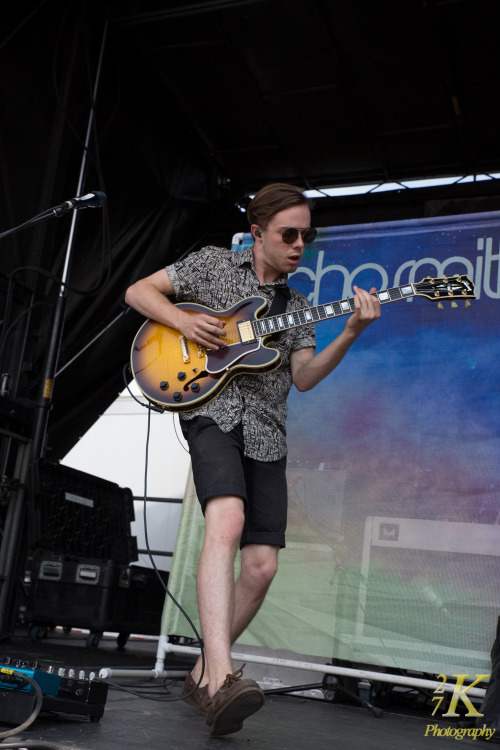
[(179, 375)]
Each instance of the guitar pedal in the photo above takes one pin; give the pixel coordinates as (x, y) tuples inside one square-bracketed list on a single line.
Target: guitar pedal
[(64, 691)]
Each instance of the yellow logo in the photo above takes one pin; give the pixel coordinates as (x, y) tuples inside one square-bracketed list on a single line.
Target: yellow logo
[(459, 694)]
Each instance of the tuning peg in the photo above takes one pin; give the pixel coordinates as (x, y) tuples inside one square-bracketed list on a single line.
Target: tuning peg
[(467, 303), (454, 304), (440, 306)]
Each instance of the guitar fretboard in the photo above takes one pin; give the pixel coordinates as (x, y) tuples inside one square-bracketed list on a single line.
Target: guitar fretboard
[(285, 321)]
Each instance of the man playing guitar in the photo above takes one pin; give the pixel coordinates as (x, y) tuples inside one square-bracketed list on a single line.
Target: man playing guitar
[(237, 440)]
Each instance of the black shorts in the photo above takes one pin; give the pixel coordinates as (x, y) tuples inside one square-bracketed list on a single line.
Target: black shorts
[(221, 468)]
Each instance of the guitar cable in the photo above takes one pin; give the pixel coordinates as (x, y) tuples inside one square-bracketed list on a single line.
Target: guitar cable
[(198, 639)]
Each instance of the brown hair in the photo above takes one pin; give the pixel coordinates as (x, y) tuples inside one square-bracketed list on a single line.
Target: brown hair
[(272, 199)]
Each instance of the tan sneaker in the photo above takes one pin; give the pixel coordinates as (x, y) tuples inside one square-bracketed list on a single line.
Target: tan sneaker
[(235, 700), (199, 698)]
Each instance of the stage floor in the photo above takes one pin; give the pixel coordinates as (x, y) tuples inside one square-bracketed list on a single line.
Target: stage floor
[(136, 722)]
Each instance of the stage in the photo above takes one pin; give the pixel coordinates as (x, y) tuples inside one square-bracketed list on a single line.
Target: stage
[(151, 718)]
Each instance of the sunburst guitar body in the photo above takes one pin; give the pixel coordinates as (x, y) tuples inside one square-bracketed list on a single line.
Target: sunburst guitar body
[(179, 375)]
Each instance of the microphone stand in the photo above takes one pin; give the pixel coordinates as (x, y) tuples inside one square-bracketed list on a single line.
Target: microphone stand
[(54, 345)]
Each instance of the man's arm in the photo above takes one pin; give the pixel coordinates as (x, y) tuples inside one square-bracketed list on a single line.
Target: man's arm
[(148, 296), (309, 369)]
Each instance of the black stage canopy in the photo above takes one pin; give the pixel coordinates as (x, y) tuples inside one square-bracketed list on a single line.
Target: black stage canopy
[(178, 111)]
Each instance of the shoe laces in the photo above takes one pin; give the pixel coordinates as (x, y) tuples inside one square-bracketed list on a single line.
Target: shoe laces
[(232, 678)]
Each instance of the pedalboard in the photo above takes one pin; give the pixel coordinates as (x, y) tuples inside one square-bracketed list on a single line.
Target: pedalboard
[(64, 691)]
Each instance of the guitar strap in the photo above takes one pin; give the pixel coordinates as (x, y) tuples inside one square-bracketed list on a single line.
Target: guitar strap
[(278, 306)]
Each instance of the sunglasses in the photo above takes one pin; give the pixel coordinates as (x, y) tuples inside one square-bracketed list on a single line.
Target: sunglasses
[(290, 235)]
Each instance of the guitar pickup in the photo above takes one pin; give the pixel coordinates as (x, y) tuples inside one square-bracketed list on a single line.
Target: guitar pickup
[(245, 330), (184, 349)]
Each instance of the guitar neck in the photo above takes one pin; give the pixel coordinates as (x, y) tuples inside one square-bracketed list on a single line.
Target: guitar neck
[(286, 321)]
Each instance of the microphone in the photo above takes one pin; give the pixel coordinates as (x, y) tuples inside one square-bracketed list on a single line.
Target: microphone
[(95, 199)]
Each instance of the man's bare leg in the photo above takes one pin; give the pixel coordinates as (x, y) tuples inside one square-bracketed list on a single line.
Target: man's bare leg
[(259, 563), (224, 518), (258, 568)]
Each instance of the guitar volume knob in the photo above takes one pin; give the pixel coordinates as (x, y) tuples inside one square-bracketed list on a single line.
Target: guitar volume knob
[(181, 376), (195, 387), (164, 385), (177, 396)]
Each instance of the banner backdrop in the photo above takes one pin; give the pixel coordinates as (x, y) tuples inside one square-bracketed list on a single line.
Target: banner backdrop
[(393, 542)]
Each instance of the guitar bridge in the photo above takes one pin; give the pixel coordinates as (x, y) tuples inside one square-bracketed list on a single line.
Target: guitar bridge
[(245, 331)]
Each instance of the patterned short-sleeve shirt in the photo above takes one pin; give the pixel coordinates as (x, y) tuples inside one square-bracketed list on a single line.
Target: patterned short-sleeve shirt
[(219, 278)]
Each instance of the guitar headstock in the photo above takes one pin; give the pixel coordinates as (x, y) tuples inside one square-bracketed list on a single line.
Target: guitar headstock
[(446, 288)]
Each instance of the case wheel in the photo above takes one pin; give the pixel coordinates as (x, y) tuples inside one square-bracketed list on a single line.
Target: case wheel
[(93, 639), (122, 640)]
